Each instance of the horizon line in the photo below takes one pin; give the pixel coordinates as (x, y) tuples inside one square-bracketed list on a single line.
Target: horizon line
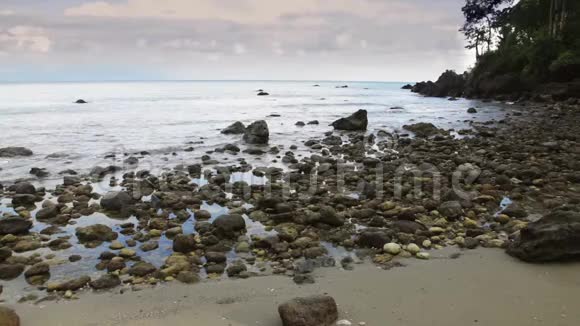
[(193, 80)]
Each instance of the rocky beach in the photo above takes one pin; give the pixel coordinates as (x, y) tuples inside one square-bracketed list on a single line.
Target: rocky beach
[(346, 199)]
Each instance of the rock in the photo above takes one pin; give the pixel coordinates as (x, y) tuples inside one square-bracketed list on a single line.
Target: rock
[(316, 310), (26, 245), (356, 122), (71, 180), (10, 271), (392, 248), (71, 285), (472, 110), (329, 216), (39, 172), (451, 209), (215, 257), (188, 277), (23, 188), (371, 238), (423, 129), (515, 210), (184, 243), (237, 128), (37, 269), (303, 279), (257, 133), (413, 248), (107, 281), (23, 200), (228, 225), (47, 212), (14, 225), (423, 255), (5, 253), (408, 86), (554, 237), (15, 152), (96, 232), (8, 317), (300, 124), (80, 101), (116, 201), (142, 269), (313, 122), (262, 93), (149, 246), (448, 84)]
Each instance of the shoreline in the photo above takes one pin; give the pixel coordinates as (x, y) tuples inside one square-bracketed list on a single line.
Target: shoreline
[(482, 287)]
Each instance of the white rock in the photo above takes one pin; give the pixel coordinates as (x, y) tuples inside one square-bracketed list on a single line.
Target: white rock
[(427, 244), (413, 248), (423, 255), (343, 322), (392, 248)]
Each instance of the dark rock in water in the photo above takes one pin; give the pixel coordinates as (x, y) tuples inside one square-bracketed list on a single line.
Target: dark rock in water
[(228, 225), (15, 151), (131, 160), (300, 124), (184, 243), (471, 110), (409, 226), (8, 317), (99, 171), (116, 201), (373, 238), (142, 269), (408, 86), (188, 277), (74, 284), (318, 310), (313, 122), (356, 122), (47, 212), (10, 271), (342, 86), (96, 232), (423, 129), (39, 172), (71, 180), (555, 237), (23, 188), (236, 128), (515, 210), (37, 269), (263, 93), (5, 253), (23, 200), (14, 225), (81, 101), (448, 84), (107, 281), (257, 133)]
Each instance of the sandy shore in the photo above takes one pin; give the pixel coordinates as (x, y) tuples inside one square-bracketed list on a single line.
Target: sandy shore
[(482, 287)]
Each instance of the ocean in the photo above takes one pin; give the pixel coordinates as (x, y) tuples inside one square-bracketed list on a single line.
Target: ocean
[(167, 118)]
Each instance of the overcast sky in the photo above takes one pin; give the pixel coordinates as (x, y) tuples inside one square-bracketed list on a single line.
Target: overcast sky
[(385, 40)]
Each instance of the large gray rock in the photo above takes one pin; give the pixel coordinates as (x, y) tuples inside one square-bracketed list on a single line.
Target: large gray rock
[(451, 209), (229, 225), (237, 128), (319, 310), (96, 232), (14, 225), (184, 243), (116, 201), (358, 121), (423, 129), (10, 271), (23, 188), (107, 281), (15, 151), (555, 237), (257, 133)]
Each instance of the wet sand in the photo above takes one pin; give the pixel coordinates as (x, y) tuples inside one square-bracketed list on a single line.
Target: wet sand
[(482, 287)]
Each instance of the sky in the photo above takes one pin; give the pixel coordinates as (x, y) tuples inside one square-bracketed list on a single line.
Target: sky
[(367, 40)]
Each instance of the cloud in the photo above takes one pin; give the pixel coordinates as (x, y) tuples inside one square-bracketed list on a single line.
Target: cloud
[(25, 38), (6, 12)]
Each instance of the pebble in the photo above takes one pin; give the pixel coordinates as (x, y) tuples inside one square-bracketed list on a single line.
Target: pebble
[(392, 248), (423, 255), (413, 248)]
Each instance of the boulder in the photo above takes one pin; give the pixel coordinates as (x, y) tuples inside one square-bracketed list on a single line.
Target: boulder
[(116, 201), (141, 269), (554, 237), (257, 133), (448, 84), (81, 101), (96, 232), (229, 225), (23, 188), (14, 225), (451, 209), (8, 317), (184, 243), (237, 128), (38, 269), (423, 129), (319, 310), (356, 122), (107, 281), (47, 212), (15, 152), (10, 271)]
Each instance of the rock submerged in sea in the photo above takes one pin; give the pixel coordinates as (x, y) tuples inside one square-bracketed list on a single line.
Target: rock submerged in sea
[(554, 237), (318, 310), (257, 133), (15, 152), (358, 121), (14, 225), (81, 101), (95, 233), (237, 128), (116, 201), (423, 129)]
